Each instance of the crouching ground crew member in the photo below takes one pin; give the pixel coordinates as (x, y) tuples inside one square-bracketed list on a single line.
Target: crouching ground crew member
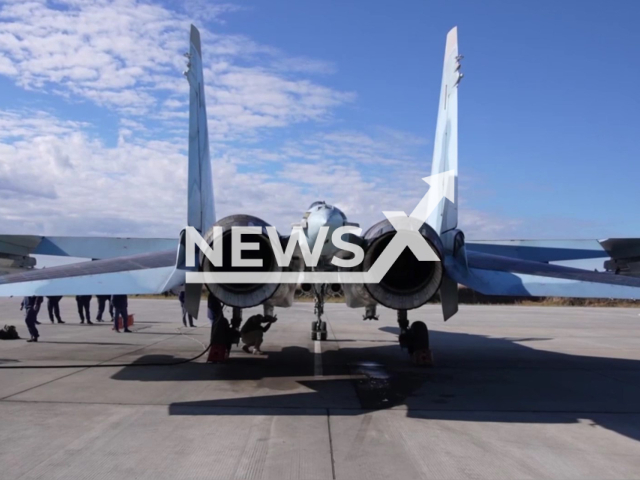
[(31, 313), (84, 301), (253, 332), (53, 307)]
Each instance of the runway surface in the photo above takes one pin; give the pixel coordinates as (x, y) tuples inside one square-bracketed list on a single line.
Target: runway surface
[(517, 392)]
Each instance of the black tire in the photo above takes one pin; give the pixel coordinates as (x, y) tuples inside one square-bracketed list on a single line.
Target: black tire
[(323, 336), (419, 336), (323, 326), (314, 326), (314, 335)]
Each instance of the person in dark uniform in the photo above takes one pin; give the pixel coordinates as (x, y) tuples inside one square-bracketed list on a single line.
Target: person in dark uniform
[(102, 303), (120, 305), (214, 308), (185, 314), (39, 301), (84, 301), (53, 307), (29, 306), (253, 332)]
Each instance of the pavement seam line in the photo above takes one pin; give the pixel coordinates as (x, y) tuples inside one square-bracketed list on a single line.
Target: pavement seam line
[(317, 358), (333, 463)]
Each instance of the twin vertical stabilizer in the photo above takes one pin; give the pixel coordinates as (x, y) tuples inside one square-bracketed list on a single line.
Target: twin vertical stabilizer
[(200, 210), (445, 148)]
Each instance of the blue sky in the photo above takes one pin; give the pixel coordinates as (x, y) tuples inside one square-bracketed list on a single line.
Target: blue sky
[(331, 100)]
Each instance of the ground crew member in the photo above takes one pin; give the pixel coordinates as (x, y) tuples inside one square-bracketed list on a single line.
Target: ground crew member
[(84, 301), (214, 308), (39, 301), (102, 303), (184, 311), (253, 332), (29, 306), (53, 307), (120, 305)]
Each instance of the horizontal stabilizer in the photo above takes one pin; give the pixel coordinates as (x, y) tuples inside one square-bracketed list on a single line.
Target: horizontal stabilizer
[(82, 247), (495, 275), (137, 274), (559, 250)]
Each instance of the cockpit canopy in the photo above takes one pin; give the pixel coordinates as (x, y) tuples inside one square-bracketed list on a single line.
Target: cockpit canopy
[(322, 203), (316, 203)]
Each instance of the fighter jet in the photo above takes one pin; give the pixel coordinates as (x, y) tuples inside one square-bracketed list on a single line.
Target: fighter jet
[(150, 266)]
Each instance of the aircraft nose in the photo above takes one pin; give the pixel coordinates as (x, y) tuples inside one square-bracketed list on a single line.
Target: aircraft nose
[(323, 217), (329, 217)]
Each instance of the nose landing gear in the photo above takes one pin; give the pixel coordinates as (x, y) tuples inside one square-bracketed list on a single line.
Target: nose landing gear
[(415, 338), (318, 326)]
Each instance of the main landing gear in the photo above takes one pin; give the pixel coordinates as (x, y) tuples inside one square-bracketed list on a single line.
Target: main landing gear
[(415, 338), (318, 326), (236, 318)]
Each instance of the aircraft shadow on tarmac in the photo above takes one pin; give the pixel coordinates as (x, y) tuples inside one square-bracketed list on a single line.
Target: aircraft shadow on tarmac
[(476, 378)]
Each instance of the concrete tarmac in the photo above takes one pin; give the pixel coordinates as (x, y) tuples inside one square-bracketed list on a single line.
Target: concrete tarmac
[(517, 392)]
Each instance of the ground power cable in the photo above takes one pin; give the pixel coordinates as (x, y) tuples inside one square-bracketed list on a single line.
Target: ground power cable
[(107, 365)]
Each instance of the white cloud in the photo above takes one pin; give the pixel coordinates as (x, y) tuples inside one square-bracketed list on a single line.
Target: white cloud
[(126, 55), (58, 178), (209, 11), (77, 178), (383, 149)]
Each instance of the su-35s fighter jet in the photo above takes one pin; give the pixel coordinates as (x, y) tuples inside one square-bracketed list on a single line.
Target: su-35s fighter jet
[(400, 262)]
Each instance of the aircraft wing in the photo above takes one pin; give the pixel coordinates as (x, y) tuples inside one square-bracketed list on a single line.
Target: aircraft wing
[(146, 273), (497, 275)]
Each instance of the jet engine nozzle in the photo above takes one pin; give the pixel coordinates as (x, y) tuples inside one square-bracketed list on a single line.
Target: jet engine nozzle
[(409, 283), (242, 295)]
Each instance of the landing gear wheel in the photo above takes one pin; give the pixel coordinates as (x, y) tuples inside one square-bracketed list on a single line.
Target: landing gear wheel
[(318, 330), (419, 336), (419, 344)]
